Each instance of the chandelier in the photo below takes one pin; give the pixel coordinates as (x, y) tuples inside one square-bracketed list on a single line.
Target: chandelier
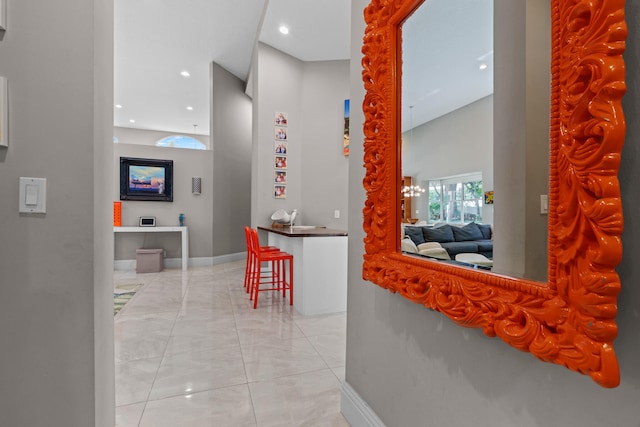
[(412, 191)]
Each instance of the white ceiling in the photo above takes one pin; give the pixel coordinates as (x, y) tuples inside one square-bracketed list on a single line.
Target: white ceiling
[(157, 39)]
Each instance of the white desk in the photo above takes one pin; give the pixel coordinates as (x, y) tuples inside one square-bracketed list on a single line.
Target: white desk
[(184, 231), (319, 267)]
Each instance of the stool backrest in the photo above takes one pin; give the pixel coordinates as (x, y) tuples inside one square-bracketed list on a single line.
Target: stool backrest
[(254, 242), (247, 238)]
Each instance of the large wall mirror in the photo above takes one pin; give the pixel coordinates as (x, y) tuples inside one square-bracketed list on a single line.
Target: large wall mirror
[(566, 315)]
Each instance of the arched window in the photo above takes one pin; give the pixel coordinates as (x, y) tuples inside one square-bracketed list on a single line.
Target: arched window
[(181, 141)]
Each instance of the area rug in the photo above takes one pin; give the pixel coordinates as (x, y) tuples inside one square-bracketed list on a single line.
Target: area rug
[(122, 294)]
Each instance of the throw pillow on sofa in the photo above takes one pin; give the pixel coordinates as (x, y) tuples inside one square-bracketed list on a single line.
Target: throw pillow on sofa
[(415, 234), (467, 233), (486, 230), (407, 245), (441, 234)]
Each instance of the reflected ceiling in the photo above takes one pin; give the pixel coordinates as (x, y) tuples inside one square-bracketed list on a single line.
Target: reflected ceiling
[(451, 51)]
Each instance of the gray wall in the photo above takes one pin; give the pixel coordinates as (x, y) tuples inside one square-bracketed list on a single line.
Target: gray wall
[(277, 80), (56, 320), (521, 128), (442, 148), (231, 136), (312, 94), (196, 208), (324, 177), (414, 367), (215, 217)]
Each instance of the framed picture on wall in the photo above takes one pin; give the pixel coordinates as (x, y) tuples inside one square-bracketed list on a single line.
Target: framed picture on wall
[(146, 179), (345, 138), (280, 177), (280, 162), (280, 147), (280, 191), (488, 197), (280, 134), (281, 118), (4, 113)]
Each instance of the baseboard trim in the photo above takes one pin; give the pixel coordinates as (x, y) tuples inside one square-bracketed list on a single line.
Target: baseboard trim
[(356, 410), (130, 264)]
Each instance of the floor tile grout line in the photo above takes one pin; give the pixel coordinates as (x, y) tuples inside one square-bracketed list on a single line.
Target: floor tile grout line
[(231, 279), (244, 363), (155, 377), (312, 371)]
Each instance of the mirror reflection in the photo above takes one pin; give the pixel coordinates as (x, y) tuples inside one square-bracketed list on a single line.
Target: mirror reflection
[(447, 188)]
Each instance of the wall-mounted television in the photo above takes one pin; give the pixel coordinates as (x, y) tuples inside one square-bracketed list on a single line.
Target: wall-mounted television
[(146, 179)]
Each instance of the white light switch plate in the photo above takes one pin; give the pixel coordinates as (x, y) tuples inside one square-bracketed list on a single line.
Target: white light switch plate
[(33, 195), (544, 204)]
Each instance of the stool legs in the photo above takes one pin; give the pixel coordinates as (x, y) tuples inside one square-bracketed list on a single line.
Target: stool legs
[(277, 280), (256, 256)]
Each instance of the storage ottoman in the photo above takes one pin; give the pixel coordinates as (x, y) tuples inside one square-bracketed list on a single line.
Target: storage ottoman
[(149, 260)]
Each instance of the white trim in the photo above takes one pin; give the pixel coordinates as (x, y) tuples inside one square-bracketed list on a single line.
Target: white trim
[(124, 265), (130, 264), (4, 104), (356, 410), (3, 15)]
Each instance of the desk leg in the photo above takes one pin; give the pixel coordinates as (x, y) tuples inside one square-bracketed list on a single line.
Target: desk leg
[(185, 249)]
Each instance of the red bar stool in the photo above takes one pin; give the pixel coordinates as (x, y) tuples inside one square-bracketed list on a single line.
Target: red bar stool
[(248, 271), (276, 278)]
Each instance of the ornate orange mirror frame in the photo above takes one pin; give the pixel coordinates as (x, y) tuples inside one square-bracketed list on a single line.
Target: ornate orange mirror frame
[(571, 319)]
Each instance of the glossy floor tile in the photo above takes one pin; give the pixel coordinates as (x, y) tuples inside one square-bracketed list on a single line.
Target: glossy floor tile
[(192, 351)]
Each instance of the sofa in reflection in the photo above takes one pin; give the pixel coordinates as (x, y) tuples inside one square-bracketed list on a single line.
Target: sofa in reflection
[(445, 241)]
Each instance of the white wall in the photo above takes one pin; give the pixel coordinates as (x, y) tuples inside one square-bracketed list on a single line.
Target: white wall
[(56, 318), (414, 367), (312, 94)]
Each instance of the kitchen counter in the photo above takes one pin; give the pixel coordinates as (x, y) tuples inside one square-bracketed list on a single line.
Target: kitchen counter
[(319, 266), (304, 231)]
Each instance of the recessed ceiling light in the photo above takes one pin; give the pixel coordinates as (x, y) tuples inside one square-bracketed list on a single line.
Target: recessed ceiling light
[(190, 108), (132, 121), (284, 30), (118, 106), (185, 73), (483, 66)]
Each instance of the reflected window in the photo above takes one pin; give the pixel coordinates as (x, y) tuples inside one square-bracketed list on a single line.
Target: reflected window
[(181, 141), (456, 200)]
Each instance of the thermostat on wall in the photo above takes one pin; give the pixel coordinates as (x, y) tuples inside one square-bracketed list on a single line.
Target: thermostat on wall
[(147, 221)]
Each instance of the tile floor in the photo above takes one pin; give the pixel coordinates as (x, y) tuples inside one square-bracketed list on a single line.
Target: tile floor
[(191, 351)]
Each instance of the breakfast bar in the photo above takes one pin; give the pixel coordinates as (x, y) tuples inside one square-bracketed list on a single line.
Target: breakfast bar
[(319, 266)]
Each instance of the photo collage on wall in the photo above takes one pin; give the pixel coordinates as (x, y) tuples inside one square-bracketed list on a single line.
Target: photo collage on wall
[(280, 156)]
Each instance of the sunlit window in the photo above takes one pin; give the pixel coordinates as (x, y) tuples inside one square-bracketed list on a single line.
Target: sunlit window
[(456, 200), (181, 141)]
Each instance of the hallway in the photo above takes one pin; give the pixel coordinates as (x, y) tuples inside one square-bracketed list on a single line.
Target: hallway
[(191, 351)]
